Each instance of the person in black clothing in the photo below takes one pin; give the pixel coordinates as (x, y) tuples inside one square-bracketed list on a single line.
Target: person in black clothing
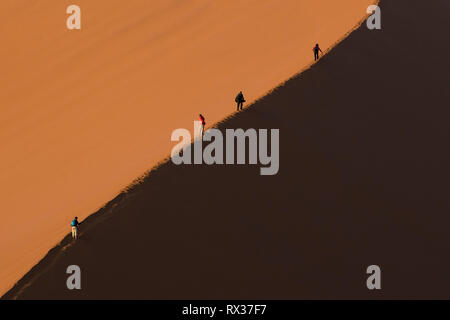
[(239, 100), (316, 50)]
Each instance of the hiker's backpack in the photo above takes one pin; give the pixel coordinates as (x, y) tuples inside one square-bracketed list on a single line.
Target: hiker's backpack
[(73, 223)]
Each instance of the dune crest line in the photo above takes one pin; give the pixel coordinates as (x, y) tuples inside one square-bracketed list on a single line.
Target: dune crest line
[(86, 106)]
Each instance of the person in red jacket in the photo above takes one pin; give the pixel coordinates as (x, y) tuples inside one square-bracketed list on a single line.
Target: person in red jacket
[(202, 119), (316, 50)]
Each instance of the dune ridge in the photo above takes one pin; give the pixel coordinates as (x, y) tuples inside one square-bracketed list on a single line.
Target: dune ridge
[(363, 180), (85, 112), (108, 208)]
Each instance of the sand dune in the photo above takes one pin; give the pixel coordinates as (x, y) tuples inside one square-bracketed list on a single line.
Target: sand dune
[(86, 112), (363, 180)]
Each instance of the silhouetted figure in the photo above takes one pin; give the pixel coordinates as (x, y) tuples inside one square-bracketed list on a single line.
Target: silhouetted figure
[(316, 50), (202, 119), (239, 100), (74, 224)]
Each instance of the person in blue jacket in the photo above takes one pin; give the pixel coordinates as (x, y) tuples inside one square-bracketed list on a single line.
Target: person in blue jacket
[(74, 224)]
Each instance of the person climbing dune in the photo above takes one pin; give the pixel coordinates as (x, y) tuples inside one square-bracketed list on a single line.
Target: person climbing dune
[(74, 224), (316, 50), (239, 100), (202, 119)]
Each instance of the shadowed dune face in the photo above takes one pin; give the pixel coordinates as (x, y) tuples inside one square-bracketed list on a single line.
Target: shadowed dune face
[(85, 112), (363, 180)]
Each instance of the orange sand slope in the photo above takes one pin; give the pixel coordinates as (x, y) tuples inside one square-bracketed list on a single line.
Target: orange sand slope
[(363, 180), (85, 112)]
